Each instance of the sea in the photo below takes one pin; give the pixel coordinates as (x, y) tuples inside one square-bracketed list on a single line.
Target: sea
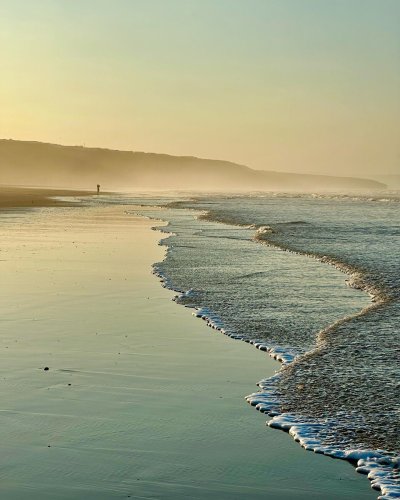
[(314, 281)]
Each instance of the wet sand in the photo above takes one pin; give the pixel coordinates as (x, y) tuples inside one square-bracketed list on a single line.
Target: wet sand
[(141, 400), (14, 197)]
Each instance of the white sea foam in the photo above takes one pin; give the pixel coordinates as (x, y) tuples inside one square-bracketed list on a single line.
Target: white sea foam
[(265, 230), (381, 468)]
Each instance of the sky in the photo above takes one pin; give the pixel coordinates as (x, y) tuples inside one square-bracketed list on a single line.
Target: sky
[(287, 85)]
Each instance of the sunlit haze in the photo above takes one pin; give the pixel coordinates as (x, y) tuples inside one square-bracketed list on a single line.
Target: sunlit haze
[(199, 249), (300, 86)]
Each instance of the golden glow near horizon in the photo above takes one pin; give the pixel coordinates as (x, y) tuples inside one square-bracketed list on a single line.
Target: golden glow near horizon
[(293, 85)]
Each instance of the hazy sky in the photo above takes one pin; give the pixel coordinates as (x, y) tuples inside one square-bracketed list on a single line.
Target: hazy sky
[(295, 85)]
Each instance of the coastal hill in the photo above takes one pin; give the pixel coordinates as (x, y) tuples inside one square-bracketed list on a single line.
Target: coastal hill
[(42, 164), (391, 180)]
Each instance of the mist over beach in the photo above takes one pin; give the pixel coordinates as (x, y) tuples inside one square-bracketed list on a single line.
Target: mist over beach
[(199, 249)]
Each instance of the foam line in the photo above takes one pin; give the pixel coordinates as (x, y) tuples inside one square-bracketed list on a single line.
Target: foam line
[(380, 466)]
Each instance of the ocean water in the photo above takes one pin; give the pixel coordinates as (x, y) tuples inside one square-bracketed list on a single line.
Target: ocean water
[(314, 281)]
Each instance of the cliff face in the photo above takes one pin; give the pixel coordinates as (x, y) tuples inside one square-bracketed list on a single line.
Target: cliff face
[(41, 164)]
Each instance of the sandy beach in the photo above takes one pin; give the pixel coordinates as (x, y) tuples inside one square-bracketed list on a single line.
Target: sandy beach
[(23, 197), (140, 399)]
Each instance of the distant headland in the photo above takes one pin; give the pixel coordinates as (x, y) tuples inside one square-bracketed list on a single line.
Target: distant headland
[(42, 164)]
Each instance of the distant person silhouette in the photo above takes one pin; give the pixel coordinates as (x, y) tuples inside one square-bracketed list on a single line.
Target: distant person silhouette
[(98, 188)]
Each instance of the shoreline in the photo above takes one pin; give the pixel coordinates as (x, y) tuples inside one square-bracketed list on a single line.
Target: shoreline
[(265, 400), (140, 400), (378, 464)]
